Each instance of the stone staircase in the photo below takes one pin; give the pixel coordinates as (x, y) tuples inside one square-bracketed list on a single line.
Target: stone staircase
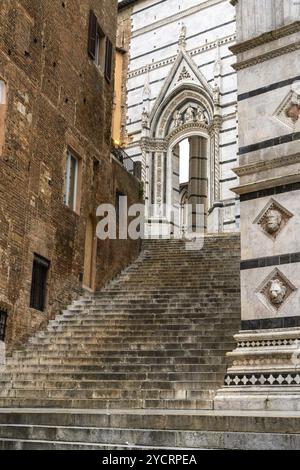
[(153, 339)]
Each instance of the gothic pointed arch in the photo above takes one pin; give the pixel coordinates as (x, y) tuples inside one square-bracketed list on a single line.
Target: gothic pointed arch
[(187, 107), (184, 73)]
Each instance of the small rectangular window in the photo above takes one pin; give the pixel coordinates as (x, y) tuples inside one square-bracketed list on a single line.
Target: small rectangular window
[(71, 181), (118, 196), (3, 318), (3, 107), (2, 92), (100, 49), (40, 271)]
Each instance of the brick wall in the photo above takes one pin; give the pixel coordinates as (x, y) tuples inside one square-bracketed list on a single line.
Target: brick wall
[(56, 98)]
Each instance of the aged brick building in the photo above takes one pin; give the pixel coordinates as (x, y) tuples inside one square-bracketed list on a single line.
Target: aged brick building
[(56, 92)]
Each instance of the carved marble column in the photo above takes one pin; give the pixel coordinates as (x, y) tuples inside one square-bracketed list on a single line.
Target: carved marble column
[(198, 180), (264, 372)]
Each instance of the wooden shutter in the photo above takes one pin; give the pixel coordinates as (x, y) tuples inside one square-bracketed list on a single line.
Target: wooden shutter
[(108, 60), (93, 26)]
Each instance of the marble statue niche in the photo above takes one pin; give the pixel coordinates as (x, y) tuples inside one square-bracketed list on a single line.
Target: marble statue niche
[(177, 119), (200, 116), (189, 115)]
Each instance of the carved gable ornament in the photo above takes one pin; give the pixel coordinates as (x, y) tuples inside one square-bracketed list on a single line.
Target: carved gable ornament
[(273, 218), (275, 291), (184, 75), (288, 112)]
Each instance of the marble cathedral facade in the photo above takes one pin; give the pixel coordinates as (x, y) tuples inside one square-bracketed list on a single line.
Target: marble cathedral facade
[(181, 86)]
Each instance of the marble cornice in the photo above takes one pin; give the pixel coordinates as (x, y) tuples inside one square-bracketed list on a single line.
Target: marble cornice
[(266, 38), (267, 183), (260, 166), (267, 56)]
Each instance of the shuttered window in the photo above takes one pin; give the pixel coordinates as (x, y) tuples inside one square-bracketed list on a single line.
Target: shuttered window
[(92, 41), (100, 48), (3, 318), (108, 60), (39, 283)]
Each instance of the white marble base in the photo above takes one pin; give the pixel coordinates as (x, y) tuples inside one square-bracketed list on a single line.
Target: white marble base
[(264, 373), (258, 399)]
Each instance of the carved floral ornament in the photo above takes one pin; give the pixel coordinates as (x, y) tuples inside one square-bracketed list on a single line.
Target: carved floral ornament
[(273, 218), (275, 291)]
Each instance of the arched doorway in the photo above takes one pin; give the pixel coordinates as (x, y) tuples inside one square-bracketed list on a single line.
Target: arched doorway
[(186, 123), (187, 167), (90, 252)]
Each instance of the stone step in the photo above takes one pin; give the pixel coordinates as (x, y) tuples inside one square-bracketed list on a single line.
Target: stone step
[(34, 374), (127, 385), (24, 437), (139, 344), (106, 394), (106, 404), (18, 444), (131, 355), (118, 368), (100, 335), (229, 319), (205, 362)]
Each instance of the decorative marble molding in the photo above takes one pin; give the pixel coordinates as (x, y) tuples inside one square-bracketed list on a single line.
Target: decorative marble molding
[(162, 63), (262, 379), (266, 37), (267, 56), (275, 291), (267, 184), (264, 165), (153, 145), (268, 343), (273, 219), (186, 127)]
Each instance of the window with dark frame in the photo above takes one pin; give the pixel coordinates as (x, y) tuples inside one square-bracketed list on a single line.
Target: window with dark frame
[(100, 48), (40, 270), (3, 319)]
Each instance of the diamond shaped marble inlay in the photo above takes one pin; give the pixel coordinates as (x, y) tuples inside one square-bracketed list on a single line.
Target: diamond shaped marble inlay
[(275, 291), (273, 218), (288, 112)]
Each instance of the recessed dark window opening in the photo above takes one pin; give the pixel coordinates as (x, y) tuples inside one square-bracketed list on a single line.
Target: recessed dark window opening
[(3, 319), (118, 196), (40, 271)]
